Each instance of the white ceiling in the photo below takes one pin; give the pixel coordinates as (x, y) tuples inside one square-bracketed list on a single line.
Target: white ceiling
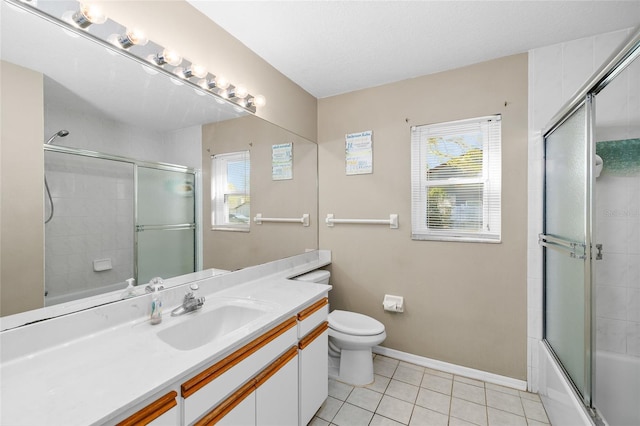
[(333, 47)]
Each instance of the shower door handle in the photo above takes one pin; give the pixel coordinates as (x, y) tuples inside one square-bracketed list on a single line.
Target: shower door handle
[(572, 248), (599, 253)]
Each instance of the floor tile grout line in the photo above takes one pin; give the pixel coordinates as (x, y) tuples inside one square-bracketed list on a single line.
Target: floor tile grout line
[(422, 386)]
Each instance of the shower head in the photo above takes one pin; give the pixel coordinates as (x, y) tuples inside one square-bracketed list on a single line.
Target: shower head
[(61, 133)]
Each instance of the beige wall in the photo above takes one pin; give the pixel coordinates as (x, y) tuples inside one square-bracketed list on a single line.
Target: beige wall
[(21, 182), (465, 302), (176, 24), (286, 198)]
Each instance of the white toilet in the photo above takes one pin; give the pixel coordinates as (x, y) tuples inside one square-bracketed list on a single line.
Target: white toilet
[(351, 337)]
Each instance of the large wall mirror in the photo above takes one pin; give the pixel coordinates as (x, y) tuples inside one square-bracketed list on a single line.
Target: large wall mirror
[(127, 165)]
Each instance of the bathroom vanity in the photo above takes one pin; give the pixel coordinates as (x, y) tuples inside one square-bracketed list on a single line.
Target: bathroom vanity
[(256, 353)]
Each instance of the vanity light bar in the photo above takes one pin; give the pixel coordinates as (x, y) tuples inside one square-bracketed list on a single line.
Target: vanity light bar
[(132, 43)]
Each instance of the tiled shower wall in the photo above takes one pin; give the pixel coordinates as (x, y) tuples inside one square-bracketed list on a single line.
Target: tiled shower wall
[(93, 198), (555, 73), (93, 219), (618, 273), (618, 215)]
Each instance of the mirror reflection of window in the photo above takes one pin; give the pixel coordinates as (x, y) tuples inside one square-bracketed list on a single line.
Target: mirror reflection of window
[(230, 195)]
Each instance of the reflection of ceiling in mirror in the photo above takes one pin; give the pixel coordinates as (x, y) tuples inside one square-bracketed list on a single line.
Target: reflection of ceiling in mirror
[(114, 84)]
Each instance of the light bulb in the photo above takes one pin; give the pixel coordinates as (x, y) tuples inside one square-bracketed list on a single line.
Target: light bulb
[(87, 15), (192, 71), (241, 91), (258, 100), (222, 82), (198, 71), (133, 37), (207, 83), (166, 57), (128, 39), (171, 57)]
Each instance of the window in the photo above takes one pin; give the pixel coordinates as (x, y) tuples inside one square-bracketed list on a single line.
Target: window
[(230, 198), (455, 180)]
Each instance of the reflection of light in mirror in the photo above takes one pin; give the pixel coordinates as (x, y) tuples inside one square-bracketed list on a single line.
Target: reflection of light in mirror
[(18, 9), (70, 33), (149, 70), (176, 82), (199, 92)]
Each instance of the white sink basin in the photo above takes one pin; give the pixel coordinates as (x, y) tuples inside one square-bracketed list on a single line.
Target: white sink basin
[(199, 328)]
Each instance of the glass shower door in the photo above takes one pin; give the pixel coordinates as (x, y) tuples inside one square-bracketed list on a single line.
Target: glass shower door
[(165, 223), (566, 239)]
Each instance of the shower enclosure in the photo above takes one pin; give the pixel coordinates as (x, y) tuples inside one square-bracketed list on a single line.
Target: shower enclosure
[(115, 218), (591, 240)]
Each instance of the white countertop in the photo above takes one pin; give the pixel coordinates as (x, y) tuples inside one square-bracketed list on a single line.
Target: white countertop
[(94, 377)]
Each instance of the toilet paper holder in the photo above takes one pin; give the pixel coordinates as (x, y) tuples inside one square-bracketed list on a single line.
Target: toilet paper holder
[(393, 303)]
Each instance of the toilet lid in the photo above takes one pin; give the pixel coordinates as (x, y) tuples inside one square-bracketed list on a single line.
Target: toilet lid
[(354, 323)]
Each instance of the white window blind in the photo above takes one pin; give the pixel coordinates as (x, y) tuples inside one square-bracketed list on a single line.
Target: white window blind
[(230, 195), (456, 180)]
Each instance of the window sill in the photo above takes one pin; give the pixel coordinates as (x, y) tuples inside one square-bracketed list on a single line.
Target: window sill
[(230, 228), (461, 239)]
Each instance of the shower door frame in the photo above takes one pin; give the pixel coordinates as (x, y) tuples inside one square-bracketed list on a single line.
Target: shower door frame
[(197, 244), (154, 165), (547, 242), (616, 63)]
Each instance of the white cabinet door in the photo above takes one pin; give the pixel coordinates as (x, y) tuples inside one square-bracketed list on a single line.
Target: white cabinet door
[(243, 414), (314, 373), (170, 418), (277, 397)]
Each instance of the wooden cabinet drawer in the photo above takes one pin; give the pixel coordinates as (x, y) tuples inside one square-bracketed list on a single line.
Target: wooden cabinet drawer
[(162, 411), (310, 317), (211, 386)]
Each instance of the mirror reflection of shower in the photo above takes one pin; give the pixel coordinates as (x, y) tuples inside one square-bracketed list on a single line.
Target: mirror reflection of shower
[(61, 133)]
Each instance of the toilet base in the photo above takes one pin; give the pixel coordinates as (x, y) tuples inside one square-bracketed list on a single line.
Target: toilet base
[(353, 367)]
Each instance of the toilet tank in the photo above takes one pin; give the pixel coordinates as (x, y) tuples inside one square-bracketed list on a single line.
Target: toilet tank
[(319, 276)]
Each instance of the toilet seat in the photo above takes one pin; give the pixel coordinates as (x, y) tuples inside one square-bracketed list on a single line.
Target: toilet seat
[(354, 323)]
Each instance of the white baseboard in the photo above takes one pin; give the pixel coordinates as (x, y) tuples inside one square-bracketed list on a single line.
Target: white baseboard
[(459, 370)]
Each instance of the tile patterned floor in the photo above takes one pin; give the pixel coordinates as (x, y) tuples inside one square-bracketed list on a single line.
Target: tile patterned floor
[(407, 394)]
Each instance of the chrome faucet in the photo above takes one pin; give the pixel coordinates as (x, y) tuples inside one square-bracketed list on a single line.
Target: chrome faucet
[(190, 303)]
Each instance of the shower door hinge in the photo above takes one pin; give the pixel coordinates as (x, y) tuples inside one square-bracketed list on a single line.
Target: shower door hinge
[(599, 253)]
